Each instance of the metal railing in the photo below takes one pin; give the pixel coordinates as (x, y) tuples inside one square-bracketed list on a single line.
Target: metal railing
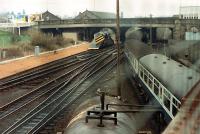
[(167, 100)]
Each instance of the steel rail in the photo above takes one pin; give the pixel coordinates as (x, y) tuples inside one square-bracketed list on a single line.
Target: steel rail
[(61, 108), (37, 74), (37, 90), (74, 94), (52, 63), (53, 99), (26, 99), (35, 69)]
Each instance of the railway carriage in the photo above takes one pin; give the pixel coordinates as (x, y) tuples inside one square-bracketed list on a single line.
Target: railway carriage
[(167, 80), (134, 50)]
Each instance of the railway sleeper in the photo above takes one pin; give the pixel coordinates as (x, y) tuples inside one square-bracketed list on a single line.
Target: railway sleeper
[(49, 127), (40, 117), (51, 124), (32, 123), (43, 132), (35, 120), (22, 131), (26, 127)]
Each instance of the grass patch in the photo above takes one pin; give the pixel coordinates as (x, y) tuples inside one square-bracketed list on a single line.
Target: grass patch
[(8, 39), (17, 46), (4, 33)]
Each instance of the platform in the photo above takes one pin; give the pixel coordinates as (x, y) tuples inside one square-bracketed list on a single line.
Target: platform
[(11, 67)]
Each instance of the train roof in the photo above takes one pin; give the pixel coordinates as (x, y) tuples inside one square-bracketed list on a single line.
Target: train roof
[(177, 78), (138, 48)]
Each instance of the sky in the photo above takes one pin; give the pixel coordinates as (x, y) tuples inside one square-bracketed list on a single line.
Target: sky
[(130, 8)]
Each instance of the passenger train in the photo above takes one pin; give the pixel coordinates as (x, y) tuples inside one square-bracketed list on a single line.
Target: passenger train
[(167, 80)]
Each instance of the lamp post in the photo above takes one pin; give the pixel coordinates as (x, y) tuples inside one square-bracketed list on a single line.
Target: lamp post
[(118, 50)]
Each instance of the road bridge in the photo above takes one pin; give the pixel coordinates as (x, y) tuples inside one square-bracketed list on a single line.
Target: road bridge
[(11, 25), (125, 22), (90, 26), (85, 28), (16, 26)]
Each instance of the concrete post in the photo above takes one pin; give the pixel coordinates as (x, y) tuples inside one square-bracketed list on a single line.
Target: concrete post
[(4, 54), (19, 30), (0, 54), (13, 30), (37, 50)]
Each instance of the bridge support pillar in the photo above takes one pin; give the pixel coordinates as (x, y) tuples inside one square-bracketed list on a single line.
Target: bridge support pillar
[(179, 30), (86, 35)]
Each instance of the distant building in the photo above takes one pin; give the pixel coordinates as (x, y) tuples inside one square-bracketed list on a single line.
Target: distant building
[(35, 17), (95, 15), (20, 17), (46, 16), (4, 19), (189, 12), (175, 16)]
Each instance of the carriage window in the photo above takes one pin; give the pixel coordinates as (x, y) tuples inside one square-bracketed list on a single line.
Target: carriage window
[(167, 94), (150, 83), (175, 102), (145, 78), (145, 72), (167, 103), (156, 83), (174, 110), (156, 90), (150, 77)]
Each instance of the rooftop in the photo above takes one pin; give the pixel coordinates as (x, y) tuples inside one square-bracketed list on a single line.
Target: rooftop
[(95, 15)]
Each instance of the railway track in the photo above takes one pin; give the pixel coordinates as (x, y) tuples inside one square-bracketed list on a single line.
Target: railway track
[(15, 87), (43, 90), (50, 102), (59, 122), (77, 98), (40, 73), (47, 65)]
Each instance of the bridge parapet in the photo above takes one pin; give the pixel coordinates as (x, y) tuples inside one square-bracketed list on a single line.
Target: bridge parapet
[(167, 20), (9, 25), (190, 22), (178, 26)]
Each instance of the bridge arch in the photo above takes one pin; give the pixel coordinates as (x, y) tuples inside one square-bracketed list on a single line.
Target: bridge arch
[(138, 33), (134, 33), (194, 29), (164, 33), (113, 31)]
